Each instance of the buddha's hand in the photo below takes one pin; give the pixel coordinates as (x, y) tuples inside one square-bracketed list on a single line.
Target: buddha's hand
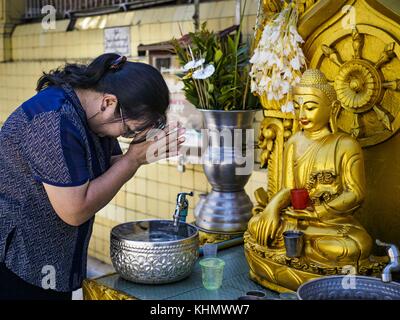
[(264, 226), (306, 214), (267, 227)]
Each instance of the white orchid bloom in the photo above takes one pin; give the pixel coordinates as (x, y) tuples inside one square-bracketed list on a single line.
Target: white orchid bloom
[(193, 64), (188, 66), (204, 73)]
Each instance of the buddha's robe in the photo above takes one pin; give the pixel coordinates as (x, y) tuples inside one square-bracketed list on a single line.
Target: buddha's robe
[(332, 170)]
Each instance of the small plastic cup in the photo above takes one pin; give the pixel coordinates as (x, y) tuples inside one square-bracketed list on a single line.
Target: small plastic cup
[(212, 271), (210, 250)]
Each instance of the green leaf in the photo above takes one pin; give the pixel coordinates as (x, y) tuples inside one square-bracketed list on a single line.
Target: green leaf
[(225, 90), (227, 77), (242, 51), (232, 46), (218, 55)]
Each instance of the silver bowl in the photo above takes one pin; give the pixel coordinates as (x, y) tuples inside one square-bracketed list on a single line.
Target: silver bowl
[(348, 288), (150, 251)]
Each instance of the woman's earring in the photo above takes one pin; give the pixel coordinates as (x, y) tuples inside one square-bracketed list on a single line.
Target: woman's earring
[(103, 108)]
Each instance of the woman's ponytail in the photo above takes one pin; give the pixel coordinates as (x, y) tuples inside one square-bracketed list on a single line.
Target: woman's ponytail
[(139, 87), (78, 75)]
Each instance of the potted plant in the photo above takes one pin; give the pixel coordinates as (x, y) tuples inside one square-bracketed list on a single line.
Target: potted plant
[(216, 80)]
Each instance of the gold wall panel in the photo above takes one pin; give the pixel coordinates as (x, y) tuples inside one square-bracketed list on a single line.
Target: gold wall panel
[(363, 63), (370, 54)]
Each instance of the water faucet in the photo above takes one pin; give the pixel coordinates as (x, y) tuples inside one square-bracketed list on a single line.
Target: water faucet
[(394, 264), (181, 209)]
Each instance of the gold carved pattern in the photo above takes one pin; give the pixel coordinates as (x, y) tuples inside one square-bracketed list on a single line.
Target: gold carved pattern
[(274, 132), (360, 85), (272, 6), (208, 237), (305, 5), (321, 178), (369, 268), (93, 290)]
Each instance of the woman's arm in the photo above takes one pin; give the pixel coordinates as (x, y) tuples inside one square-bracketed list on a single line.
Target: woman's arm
[(114, 159), (76, 205)]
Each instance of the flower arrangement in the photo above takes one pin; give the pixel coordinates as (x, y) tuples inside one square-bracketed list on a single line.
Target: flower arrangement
[(216, 69), (278, 59)]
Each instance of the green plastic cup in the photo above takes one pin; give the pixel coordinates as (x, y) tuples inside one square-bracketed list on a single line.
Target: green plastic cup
[(212, 271)]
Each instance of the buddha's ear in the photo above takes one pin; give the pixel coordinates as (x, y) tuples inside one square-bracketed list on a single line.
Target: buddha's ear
[(335, 110)]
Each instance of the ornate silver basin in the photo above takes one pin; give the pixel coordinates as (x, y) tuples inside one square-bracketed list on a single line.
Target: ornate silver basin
[(153, 252), (349, 288)]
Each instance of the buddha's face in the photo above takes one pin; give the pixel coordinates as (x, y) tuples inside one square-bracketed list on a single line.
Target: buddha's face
[(313, 111)]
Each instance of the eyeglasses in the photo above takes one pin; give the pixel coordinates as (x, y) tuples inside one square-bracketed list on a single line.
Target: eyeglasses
[(140, 135)]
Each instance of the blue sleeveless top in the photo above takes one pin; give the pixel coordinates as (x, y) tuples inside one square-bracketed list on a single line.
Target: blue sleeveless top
[(47, 139)]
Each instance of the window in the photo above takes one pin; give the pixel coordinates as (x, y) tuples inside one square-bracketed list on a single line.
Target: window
[(162, 62)]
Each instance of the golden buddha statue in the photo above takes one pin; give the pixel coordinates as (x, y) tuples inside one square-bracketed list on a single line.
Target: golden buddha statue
[(330, 166)]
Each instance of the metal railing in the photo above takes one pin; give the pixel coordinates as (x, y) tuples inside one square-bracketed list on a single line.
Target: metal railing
[(65, 8)]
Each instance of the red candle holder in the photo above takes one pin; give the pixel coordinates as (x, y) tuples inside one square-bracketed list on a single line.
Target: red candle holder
[(300, 198)]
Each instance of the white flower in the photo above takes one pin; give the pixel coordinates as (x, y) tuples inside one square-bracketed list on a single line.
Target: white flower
[(267, 57), (287, 74), (254, 86), (278, 46), (193, 64), (297, 37), (264, 82), (278, 58), (279, 63), (295, 63), (274, 36), (288, 107), (255, 59), (287, 48), (204, 73), (285, 87)]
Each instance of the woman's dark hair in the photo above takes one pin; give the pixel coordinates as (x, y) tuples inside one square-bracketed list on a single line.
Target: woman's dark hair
[(139, 87)]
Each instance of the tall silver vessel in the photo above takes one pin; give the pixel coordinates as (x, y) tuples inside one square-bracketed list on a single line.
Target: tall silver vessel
[(228, 163)]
